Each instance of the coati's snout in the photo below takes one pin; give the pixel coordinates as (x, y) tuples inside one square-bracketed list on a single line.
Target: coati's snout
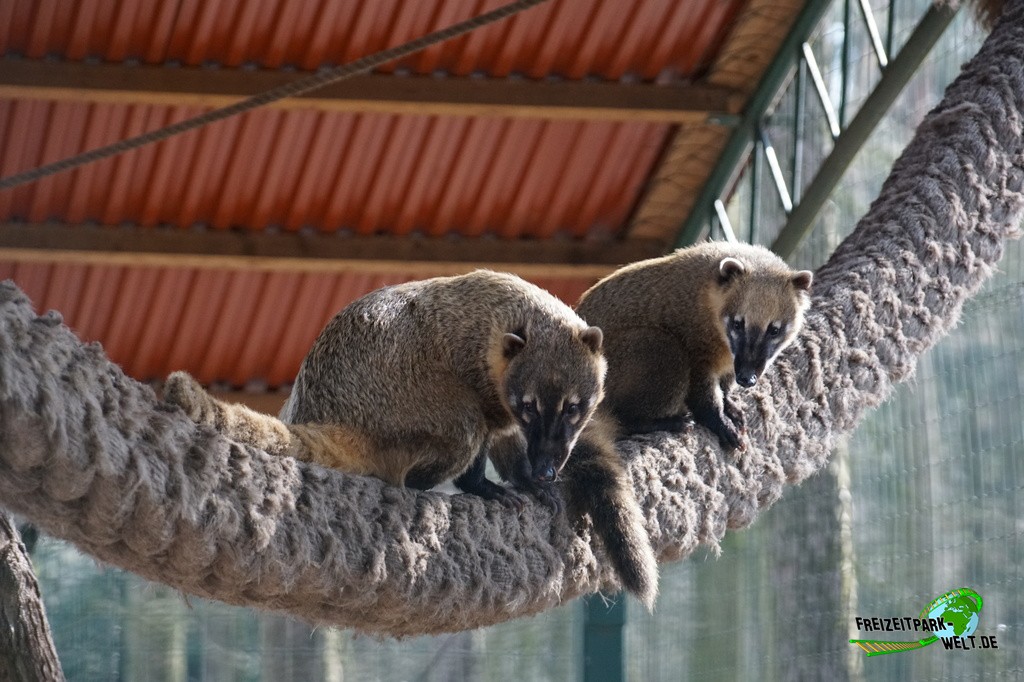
[(746, 379), (752, 347), (551, 430)]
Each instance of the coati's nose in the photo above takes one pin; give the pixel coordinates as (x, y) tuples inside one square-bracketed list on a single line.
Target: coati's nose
[(746, 379), (545, 474)]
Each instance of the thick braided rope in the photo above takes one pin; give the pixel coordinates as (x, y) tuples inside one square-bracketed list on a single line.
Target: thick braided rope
[(91, 456), (296, 87)]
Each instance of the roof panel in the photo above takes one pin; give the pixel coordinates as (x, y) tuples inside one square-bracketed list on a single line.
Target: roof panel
[(367, 173), (231, 327), (560, 38)]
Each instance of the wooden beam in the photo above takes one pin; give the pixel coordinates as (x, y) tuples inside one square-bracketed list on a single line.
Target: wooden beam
[(507, 97), (314, 252)]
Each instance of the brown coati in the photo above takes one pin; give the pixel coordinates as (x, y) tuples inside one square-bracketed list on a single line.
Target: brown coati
[(417, 384), (412, 383), (681, 328), (595, 483)]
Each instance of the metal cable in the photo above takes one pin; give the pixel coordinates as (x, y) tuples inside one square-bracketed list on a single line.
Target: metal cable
[(297, 87)]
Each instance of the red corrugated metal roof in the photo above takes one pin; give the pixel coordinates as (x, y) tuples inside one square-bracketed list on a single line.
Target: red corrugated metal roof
[(566, 38), (328, 171), (233, 327), (369, 173)]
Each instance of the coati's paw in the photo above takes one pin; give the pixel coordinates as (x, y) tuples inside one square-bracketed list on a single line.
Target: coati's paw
[(489, 490), (547, 494), (728, 436), (183, 390), (679, 423)]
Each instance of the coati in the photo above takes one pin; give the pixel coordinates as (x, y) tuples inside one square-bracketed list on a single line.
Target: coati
[(681, 328), (417, 383), (410, 383), (595, 482)]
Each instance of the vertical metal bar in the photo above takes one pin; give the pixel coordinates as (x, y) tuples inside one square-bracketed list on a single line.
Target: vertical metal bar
[(876, 40), (603, 622), (739, 142), (900, 70), (891, 29), (844, 66), (819, 85), (776, 169), (799, 110), (755, 191)]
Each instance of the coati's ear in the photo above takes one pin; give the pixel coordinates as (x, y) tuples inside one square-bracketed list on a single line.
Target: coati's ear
[(512, 344), (730, 267), (802, 280), (593, 337)]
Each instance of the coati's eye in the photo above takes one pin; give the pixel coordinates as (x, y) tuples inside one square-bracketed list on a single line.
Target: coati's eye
[(529, 409), (736, 324), (572, 410), (774, 329)]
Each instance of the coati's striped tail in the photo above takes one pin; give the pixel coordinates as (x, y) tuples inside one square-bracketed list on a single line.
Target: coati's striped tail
[(597, 484)]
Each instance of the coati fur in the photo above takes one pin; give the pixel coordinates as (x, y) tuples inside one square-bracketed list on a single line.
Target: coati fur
[(681, 329), (412, 383), (596, 483), (419, 383)]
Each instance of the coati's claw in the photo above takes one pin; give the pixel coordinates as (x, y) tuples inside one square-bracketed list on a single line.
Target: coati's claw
[(735, 415), (545, 493), (514, 500), (729, 437)]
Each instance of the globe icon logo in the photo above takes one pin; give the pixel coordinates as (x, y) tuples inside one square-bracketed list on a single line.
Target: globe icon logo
[(958, 611)]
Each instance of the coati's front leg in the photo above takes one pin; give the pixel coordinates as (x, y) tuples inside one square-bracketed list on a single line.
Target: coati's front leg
[(729, 407), (474, 480), (708, 405)]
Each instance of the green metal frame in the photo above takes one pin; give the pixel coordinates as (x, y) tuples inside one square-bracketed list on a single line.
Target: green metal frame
[(742, 137), (894, 78), (848, 138)]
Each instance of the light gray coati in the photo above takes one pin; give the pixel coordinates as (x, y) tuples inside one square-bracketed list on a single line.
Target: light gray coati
[(416, 383), (680, 329)]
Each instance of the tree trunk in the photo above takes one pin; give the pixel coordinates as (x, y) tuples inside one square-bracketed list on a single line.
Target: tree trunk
[(26, 647)]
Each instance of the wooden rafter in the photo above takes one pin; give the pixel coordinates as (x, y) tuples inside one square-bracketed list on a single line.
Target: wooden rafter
[(313, 252), (577, 100)]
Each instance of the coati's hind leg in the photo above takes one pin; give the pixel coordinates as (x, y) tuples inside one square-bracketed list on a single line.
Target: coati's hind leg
[(237, 422), (645, 388), (474, 480)]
